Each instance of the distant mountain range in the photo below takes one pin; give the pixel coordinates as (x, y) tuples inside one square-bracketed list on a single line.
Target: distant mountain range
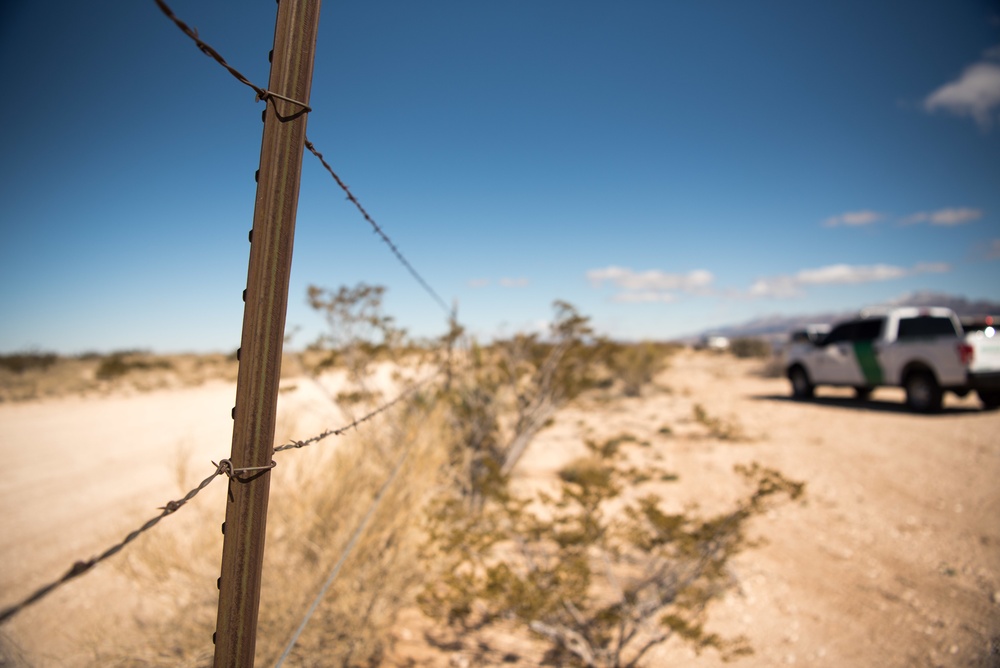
[(777, 326)]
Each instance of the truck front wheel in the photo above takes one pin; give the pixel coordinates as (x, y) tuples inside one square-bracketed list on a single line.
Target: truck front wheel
[(923, 394)]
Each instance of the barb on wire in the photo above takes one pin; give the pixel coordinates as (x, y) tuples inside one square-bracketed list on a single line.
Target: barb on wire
[(262, 93), (342, 430), (378, 230), (81, 567)]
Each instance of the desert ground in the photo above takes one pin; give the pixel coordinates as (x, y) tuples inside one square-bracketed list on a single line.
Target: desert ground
[(891, 558)]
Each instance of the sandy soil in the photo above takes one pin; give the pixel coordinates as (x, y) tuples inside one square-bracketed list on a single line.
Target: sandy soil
[(893, 559)]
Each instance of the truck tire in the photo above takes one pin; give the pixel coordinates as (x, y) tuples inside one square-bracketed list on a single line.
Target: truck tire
[(990, 399), (802, 387), (923, 394)]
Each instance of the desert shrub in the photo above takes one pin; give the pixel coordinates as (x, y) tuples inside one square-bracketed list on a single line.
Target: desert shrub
[(21, 362), (722, 429), (500, 396), (747, 347), (599, 591), (774, 367), (359, 332), (117, 365), (635, 365), (610, 447), (356, 397)]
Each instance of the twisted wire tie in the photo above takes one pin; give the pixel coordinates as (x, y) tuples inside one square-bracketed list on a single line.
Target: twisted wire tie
[(266, 95), (225, 466)]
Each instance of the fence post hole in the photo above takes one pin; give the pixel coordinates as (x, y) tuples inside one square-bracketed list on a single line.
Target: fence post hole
[(263, 330)]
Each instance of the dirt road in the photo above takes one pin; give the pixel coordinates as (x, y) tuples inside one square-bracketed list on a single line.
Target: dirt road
[(893, 559)]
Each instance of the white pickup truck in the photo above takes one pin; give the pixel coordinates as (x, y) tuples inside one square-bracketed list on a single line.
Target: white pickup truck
[(923, 350)]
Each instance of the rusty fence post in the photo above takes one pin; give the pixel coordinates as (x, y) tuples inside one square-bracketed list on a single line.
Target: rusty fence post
[(266, 300)]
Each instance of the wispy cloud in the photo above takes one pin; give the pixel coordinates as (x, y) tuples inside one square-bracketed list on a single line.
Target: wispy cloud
[(976, 93), (837, 274), (651, 286), (993, 250), (478, 282), (853, 219), (644, 296), (514, 282), (948, 217)]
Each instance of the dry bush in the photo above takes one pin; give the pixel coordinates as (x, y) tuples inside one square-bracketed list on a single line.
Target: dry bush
[(600, 588), (749, 347), (118, 364), (635, 365), (21, 362), (29, 377), (720, 428)]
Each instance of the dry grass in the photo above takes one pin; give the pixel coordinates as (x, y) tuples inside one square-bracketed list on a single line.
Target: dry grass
[(319, 496)]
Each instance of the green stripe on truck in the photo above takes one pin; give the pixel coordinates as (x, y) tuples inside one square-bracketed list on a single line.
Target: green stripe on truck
[(864, 351)]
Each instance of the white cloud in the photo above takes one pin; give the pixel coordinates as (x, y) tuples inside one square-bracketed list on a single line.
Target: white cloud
[(947, 217), (644, 296), (514, 282), (842, 274), (653, 279), (787, 286), (651, 286), (780, 287), (853, 219), (955, 216), (976, 93)]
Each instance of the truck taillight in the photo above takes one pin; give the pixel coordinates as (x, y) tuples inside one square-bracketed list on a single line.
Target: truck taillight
[(966, 353)]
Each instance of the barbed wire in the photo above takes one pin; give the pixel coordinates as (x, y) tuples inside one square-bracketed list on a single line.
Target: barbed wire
[(292, 445), (81, 567), (262, 93), (224, 467), (378, 230)]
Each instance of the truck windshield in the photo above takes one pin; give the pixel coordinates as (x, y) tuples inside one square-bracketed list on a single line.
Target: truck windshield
[(925, 326)]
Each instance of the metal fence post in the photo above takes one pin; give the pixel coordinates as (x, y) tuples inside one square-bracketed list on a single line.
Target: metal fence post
[(266, 300)]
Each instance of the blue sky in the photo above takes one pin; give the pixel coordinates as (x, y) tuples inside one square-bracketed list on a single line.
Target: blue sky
[(666, 167)]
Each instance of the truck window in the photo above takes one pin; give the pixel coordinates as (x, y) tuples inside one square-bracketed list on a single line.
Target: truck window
[(842, 332), (869, 329), (925, 326)]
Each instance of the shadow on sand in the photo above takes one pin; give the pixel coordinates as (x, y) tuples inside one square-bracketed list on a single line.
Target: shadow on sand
[(872, 404)]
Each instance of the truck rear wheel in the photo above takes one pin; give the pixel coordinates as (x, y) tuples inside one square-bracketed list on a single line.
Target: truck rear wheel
[(923, 394), (802, 388), (990, 398)]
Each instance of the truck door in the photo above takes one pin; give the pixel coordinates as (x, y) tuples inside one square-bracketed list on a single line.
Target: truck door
[(836, 363), (867, 352)]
